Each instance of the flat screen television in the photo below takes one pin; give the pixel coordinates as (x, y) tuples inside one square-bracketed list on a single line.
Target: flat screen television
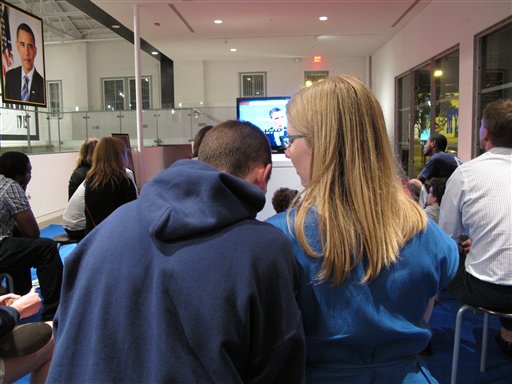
[(268, 114)]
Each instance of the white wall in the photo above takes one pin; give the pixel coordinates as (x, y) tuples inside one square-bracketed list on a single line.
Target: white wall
[(68, 63), (48, 189), (217, 84), (440, 26)]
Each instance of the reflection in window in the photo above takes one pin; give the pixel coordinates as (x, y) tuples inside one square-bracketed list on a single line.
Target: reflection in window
[(312, 77), (145, 93), (54, 98), (253, 84), (431, 91), (494, 71), (113, 94)]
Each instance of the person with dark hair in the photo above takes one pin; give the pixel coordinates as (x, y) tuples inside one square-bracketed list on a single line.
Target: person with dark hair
[(198, 138), (434, 197), (278, 128), (370, 261), (21, 248), (441, 164), (83, 165), (216, 287), (283, 198), (477, 203), (24, 83)]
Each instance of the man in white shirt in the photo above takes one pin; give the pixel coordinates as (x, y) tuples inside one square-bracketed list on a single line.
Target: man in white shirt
[(478, 203)]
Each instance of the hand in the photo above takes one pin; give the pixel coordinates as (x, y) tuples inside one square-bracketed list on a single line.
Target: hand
[(28, 305), (8, 299), (464, 247)]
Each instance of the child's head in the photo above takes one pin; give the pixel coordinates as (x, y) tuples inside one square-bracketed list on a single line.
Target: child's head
[(283, 198), (436, 190)]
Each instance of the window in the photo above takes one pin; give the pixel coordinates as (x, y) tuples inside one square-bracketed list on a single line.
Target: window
[(145, 91), (113, 93), (494, 71), (427, 102), (55, 98), (253, 84), (115, 97)]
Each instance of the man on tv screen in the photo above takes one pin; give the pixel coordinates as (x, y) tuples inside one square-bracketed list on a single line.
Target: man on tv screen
[(24, 83), (278, 128)]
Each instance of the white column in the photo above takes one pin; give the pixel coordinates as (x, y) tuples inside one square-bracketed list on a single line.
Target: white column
[(138, 95)]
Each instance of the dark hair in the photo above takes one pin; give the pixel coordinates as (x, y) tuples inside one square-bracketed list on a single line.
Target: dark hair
[(198, 138), (273, 110), (440, 140), (26, 28), (438, 185), (235, 147), (13, 164), (498, 121), (283, 198)]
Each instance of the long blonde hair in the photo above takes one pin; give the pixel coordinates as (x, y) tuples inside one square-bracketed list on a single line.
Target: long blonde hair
[(108, 163), (354, 189)]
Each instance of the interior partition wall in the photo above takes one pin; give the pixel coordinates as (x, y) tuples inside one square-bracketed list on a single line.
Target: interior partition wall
[(427, 101)]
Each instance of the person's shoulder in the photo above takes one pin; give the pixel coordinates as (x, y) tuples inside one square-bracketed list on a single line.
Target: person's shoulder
[(37, 76), (12, 73)]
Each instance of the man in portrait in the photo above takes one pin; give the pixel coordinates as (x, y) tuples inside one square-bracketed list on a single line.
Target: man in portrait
[(24, 83), (278, 129)]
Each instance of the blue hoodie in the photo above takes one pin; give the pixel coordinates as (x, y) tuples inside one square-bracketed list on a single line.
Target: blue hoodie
[(182, 285)]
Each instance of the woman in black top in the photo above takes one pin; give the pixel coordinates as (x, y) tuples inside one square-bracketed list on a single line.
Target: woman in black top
[(107, 185), (83, 164)]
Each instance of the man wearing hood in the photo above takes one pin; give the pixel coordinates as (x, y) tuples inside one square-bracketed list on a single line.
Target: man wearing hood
[(183, 285)]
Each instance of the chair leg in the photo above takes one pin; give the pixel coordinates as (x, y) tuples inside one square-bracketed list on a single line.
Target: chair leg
[(485, 338), (456, 342)]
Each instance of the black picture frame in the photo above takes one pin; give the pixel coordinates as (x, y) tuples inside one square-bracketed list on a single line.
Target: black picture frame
[(11, 18)]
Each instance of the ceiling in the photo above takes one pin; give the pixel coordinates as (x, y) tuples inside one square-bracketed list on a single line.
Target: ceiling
[(258, 29)]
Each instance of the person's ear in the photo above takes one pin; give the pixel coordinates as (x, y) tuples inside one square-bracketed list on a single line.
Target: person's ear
[(262, 176)]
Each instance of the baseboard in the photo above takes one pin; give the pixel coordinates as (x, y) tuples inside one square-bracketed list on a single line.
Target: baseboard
[(50, 218)]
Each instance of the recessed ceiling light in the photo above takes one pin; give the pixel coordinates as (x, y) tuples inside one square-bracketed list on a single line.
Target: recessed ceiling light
[(322, 18), (154, 53), (115, 26), (218, 21), (233, 49)]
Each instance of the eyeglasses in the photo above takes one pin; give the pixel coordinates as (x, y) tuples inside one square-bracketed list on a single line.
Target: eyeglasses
[(288, 140)]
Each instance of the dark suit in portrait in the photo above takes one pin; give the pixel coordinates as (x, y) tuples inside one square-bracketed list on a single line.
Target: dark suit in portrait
[(12, 86)]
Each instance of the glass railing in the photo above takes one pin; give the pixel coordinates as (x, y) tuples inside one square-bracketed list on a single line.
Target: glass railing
[(32, 131)]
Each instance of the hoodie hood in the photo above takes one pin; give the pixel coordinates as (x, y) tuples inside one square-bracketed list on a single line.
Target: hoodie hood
[(191, 198)]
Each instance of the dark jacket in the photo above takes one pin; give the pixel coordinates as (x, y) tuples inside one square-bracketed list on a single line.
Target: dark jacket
[(182, 285), (12, 87), (77, 178)]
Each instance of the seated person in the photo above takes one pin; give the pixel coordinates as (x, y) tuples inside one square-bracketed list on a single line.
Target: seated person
[(73, 219), (21, 248), (441, 164), (435, 195), (107, 185), (27, 348), (283, 198), (198, 138), (83, 165)]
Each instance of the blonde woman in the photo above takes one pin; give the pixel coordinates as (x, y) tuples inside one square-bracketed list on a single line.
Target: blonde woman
[(107, 185), (368, 258)]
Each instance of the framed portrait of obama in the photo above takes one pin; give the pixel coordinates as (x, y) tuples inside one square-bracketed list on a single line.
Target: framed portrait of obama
[(23, 71)]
